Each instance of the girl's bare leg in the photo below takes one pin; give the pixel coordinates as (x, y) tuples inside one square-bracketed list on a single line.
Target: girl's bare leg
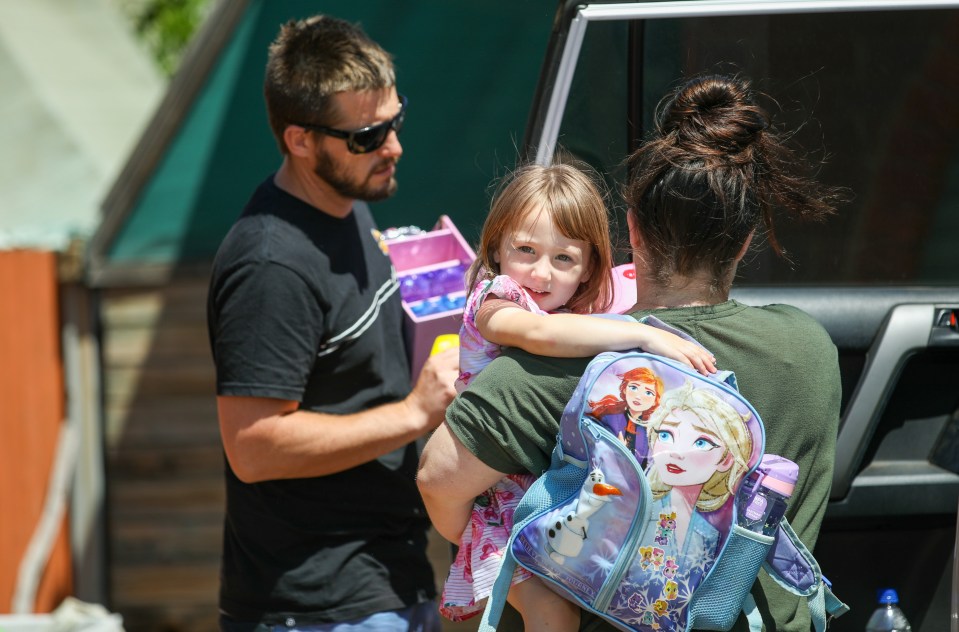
[(542, 609)]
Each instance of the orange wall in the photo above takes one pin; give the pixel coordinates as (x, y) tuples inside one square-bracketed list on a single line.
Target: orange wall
[(31, 412)]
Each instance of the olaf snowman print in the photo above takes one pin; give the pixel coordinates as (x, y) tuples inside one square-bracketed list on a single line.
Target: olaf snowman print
[(564, 539)]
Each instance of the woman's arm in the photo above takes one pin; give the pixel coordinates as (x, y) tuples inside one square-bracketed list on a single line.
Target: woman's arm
[(450, 478), (504, 323)]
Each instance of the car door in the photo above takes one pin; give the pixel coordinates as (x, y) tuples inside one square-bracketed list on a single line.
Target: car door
[(873, 88)]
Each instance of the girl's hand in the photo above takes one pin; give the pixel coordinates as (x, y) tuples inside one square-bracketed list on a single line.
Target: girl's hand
[(672, 346)]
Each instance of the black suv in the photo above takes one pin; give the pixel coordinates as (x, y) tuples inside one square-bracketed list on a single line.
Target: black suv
[(873, 88)]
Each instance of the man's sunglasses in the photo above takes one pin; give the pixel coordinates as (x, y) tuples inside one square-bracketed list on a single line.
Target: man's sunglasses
[(366, 139)]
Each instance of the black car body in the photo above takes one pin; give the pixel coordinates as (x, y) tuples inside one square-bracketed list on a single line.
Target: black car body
[(873, 88)]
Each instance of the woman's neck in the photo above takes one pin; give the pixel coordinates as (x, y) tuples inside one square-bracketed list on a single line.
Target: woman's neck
[(680, 292)]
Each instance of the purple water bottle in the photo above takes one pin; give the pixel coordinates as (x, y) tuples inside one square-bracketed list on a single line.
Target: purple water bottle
[(762, 499)]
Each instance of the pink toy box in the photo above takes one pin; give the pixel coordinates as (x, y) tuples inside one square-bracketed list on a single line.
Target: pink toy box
[(431, 270)]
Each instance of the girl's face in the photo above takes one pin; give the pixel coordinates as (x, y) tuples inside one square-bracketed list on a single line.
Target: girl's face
[(686, 452), (640, 397), (538, 257)]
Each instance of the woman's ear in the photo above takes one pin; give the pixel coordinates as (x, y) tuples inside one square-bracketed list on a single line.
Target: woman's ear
[(635, 238), (745, 248), (726, 462)]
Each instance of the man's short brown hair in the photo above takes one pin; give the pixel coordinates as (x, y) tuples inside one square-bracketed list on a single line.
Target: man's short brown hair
[(311, 60)]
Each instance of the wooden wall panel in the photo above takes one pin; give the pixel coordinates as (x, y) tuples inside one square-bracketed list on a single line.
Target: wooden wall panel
[(165, 460)]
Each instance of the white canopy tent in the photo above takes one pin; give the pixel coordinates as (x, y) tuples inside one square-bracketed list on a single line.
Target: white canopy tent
[(76, 90)]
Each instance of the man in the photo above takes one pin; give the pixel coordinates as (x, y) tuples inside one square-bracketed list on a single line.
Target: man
[(324, 524)]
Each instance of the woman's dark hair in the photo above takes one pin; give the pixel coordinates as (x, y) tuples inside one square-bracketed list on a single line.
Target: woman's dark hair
[(715, 170)]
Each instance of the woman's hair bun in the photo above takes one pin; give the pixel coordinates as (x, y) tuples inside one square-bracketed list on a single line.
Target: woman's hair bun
[(713, 112)]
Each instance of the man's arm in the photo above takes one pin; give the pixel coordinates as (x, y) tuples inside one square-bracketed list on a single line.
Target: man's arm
[(450, 478), (267, 439)]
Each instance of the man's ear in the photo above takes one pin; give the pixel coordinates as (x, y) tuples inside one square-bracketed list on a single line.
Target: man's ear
[(299, 142)]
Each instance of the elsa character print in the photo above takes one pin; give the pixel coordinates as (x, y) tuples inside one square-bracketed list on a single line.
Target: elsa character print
[(640, 391), (699, 449)]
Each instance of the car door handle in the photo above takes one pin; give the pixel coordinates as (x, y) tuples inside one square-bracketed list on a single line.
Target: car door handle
[(908, 329), (945, 330)]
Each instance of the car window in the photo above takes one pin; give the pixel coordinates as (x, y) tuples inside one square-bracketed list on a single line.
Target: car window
[(875, 94)]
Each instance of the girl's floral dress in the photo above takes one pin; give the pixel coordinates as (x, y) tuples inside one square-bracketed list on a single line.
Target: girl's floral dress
[(483, 542), (475, 351), (481, 549)]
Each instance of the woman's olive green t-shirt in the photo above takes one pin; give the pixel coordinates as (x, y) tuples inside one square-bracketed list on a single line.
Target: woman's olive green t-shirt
[(785, 364)]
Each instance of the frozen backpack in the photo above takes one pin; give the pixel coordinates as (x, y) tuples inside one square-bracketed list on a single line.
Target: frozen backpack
[(636, 520)]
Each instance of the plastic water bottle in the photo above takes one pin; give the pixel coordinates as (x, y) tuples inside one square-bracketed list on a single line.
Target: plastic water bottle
[(888, 617), (764, 494)]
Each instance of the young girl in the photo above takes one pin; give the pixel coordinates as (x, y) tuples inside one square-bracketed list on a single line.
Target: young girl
[(543, 263)]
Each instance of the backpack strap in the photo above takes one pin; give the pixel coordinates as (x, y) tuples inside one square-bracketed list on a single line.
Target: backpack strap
[(793, 567), (753, 616), (497, 599)]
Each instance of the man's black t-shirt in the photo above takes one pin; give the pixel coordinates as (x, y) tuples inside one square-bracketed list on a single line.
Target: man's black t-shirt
[(304, 306)]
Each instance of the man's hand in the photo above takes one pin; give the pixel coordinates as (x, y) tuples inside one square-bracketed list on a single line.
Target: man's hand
[(434, 388)]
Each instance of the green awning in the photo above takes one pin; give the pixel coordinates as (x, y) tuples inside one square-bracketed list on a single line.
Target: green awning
[(469, 70)]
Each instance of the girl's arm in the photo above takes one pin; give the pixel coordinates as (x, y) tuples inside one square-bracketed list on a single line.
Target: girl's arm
[(504, 323)]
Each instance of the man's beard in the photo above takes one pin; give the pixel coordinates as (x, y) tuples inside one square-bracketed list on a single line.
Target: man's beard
[(338, 179)]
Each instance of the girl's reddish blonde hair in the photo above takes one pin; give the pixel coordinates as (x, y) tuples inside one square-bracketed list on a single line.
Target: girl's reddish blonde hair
[(573, 200)]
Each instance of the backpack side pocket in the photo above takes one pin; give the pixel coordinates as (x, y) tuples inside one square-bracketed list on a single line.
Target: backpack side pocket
[(719, 599), (574, 544)]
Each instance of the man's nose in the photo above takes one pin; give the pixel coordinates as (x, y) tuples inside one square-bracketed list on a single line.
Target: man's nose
[(392, 147)]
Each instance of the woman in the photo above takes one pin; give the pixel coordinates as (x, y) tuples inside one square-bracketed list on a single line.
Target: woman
[(714, 174)]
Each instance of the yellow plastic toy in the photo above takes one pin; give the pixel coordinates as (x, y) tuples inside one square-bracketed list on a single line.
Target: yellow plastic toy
[(444, 342)]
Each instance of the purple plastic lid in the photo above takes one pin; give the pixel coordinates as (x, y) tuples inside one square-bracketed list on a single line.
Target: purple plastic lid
[(779, 474)]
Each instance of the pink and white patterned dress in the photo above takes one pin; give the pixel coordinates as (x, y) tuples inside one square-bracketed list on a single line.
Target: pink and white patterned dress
[(481, 549), (475, 351), (483, 543)]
